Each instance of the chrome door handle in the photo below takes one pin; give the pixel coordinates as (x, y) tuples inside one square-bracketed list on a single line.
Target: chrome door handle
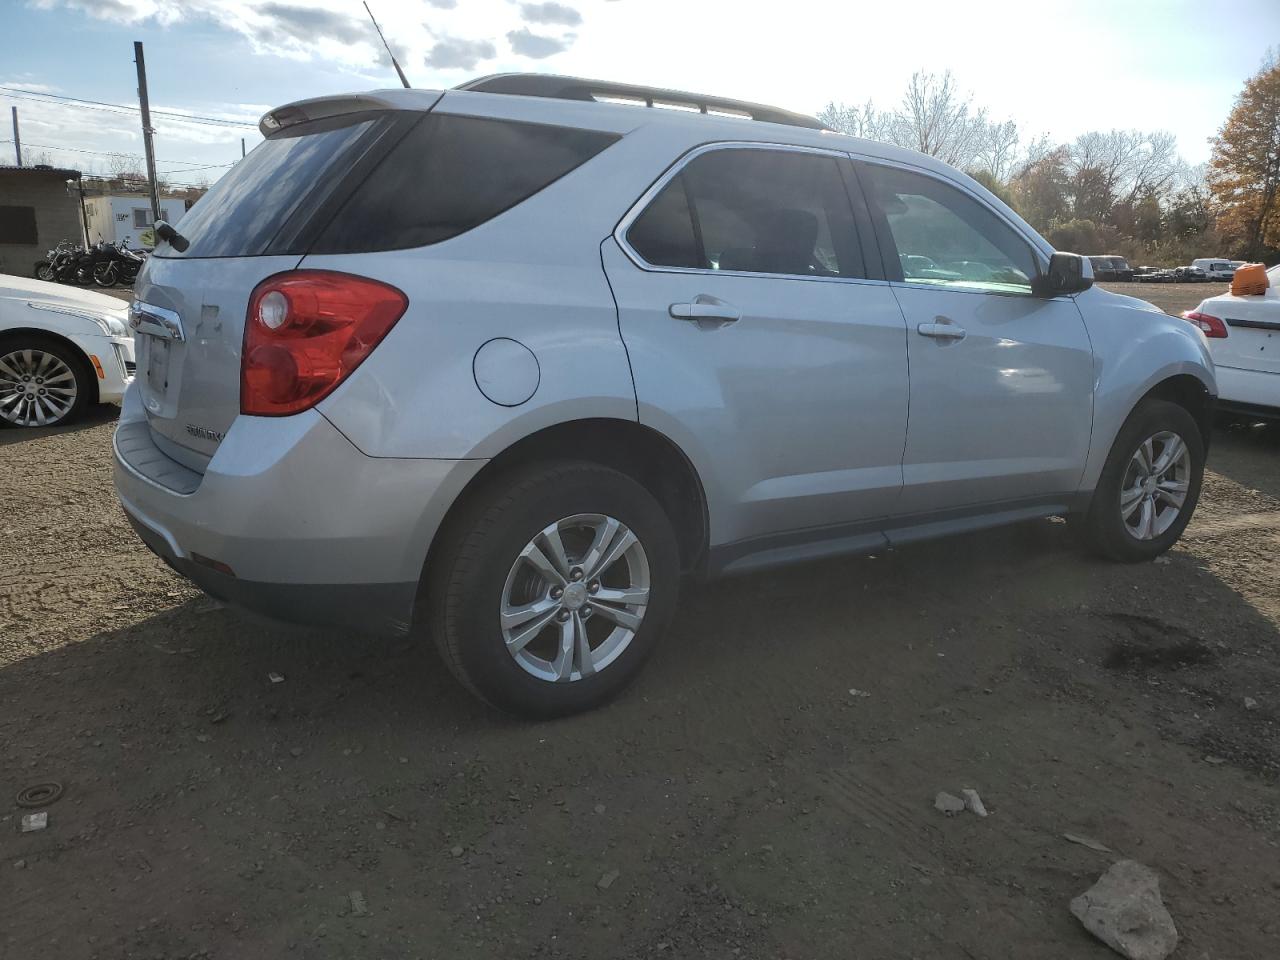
[(941, 330), (707, 309)]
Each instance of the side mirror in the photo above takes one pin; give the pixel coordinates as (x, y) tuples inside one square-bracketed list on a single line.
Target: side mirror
[(1068, 273)]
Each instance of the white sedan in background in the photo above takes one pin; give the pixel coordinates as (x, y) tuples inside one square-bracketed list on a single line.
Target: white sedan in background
[(1244, 338), (61, 350)]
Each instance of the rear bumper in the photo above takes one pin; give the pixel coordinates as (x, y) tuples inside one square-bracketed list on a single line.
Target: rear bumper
[(376, 608), (1248, 391), (290, 520)]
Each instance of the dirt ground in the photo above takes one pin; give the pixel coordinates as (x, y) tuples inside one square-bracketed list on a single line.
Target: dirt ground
[(745, 802)]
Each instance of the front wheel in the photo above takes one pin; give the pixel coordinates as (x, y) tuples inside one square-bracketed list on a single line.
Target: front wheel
[(45, 271), (105, 274), (553, 588), (43, 383), (1150, 484)]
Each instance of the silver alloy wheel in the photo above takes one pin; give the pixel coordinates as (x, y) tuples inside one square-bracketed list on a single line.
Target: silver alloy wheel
[(1155, 485), (37, 389), (575, 597)]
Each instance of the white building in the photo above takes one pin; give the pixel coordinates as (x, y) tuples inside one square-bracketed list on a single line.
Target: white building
[(122, 217)]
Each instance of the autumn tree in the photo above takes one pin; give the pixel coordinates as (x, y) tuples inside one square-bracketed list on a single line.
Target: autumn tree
[(1244, 171)]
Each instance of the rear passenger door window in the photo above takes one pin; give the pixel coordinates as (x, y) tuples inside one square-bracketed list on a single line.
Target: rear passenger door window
[(938, 234), (752, 210)]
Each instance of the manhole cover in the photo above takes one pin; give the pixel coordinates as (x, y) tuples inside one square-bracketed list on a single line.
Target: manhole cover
[(39, 794)]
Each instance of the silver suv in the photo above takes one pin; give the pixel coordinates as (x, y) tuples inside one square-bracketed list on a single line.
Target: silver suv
[(509, 360)]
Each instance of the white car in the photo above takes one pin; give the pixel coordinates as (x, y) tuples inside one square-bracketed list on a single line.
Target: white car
[(61, 350), (1244, 338)]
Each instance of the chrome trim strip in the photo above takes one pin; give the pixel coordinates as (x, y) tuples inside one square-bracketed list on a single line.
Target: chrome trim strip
[(153, 321)]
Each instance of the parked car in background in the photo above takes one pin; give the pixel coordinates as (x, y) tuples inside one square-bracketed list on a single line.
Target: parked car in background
[(1243, 334), (1216, 269), (1154, 275), (62, 349), (1111, 268), (1190, 274), (515, 403)]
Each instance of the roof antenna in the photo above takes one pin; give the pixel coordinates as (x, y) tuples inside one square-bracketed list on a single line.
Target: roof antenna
[(394, 63)]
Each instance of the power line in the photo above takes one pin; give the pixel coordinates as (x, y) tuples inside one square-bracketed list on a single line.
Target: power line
[(191, 164), (121, 108)]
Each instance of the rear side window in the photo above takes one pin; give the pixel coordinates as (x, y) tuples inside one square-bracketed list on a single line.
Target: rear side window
[(753, 211), (450, 174)]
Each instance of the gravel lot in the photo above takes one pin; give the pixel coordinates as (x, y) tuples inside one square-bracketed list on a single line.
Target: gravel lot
[(743, 801)]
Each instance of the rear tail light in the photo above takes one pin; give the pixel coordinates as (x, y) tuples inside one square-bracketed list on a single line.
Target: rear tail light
[(306, 331), (1212, 326)]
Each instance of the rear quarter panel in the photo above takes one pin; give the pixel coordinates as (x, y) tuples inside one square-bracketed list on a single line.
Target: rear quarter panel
[(531, 274), (1135, 347)]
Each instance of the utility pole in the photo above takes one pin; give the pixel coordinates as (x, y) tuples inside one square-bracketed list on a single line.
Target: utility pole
[(147, 144), (17, 141)]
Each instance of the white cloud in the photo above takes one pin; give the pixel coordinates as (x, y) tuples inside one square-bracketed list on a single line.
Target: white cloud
[(525, 43), (552, 13), (452, 53)]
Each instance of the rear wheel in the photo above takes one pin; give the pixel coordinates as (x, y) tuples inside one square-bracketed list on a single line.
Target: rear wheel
[(43, 383), (1150, 484), (554, 587)]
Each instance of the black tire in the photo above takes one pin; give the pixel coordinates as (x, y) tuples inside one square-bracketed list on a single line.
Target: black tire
[(105, 274), (469, 571), (45, 272), (1107, 530), (86, 386)]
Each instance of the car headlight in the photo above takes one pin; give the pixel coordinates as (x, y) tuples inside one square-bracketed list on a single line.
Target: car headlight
[(109, 325)]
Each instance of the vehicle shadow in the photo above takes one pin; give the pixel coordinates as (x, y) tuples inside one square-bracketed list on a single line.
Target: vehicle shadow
[(1249, 454), (93, 416), (230, 781)]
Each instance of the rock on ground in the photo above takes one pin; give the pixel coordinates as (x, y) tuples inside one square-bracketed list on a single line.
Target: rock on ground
[(948, 803), (1124, 910)]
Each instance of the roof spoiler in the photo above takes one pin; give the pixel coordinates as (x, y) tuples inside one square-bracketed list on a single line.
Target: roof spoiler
[(319, 108)]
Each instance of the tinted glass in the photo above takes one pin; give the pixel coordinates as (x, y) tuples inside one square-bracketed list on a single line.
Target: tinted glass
[(753, 211), (244, 210), (663, 234), (450, 174), (944, 236)]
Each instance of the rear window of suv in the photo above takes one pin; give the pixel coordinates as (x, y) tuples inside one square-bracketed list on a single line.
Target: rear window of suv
[(292, 170), (382, 181)]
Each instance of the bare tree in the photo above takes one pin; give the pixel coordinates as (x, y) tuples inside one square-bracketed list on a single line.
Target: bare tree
[(864, 121), (936, 119), (1121, 166), (997, 152)]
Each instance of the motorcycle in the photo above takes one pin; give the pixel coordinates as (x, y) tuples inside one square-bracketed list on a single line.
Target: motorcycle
[(103, 263), (57, 263), (117, 264)]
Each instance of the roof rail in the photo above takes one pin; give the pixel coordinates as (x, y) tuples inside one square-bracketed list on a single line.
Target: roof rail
[(574, 88)]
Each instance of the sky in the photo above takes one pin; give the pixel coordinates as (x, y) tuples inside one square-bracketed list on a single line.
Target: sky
[(1060, 69)]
